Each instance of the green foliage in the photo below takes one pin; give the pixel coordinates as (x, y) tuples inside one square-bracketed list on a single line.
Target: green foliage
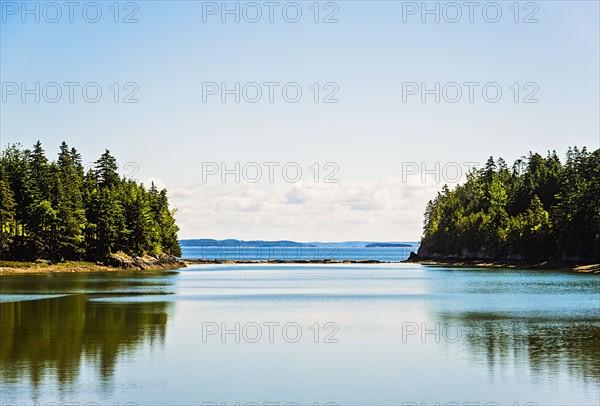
[(541, 210), (52, 210)]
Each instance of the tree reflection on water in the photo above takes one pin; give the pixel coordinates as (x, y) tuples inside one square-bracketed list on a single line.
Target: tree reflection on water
[(55, 336), (545, 346)]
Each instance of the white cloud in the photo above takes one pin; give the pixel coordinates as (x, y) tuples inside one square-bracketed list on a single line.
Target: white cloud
[(386, 209)]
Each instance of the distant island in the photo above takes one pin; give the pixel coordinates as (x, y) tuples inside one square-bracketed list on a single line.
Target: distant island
[(208, 242), (233, 242), (537, 210), (388, 245), (55, 211)]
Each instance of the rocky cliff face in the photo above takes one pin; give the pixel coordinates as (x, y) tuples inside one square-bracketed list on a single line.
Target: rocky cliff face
[(147, 262)]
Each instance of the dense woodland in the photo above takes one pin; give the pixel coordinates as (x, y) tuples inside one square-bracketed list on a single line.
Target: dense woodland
[(538, 209), (53, 210)]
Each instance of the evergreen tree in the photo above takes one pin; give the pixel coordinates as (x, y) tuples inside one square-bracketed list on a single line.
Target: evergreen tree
[(69, 203), (540, 210), (52, 210), (138, 221), (107, 170), (7, 213)]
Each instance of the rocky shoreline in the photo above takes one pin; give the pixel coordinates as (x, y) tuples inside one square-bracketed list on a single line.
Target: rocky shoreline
[(481, 263), (116, 262), (122, 262), (145, 263)]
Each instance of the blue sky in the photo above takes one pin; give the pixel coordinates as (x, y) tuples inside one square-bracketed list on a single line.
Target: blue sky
[(370, 133)]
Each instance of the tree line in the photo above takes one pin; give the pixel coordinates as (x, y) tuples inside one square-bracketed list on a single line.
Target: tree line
[(538, 209), (55, 210)]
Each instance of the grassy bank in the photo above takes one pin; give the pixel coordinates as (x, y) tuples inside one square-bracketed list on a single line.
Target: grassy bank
[(15, 267)]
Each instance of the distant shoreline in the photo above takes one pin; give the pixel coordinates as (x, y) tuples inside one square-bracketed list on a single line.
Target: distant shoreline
[(34, 268), (285, 261)]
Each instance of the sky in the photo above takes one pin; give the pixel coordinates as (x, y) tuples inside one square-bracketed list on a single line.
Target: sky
[(309, 121)]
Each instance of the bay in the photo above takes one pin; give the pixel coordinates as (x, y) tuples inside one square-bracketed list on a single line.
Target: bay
[(344, 334)]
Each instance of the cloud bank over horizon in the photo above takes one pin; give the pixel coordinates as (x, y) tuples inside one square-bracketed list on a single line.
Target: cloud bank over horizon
[(386, 209)]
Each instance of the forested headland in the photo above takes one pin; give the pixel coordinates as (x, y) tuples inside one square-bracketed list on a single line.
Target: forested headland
[(537, 210), (54, 210)]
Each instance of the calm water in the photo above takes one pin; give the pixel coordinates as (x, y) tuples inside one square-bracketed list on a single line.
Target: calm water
[(352, 335), (251, 252)]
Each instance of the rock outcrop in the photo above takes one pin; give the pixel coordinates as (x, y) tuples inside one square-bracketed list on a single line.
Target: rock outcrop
[(147, 262)]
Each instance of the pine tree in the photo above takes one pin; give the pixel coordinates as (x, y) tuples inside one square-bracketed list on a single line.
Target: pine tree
[(138, 220), (539, 210), (52, 210), (107, 170), (7, 212), (69, 203), (106, 224)]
